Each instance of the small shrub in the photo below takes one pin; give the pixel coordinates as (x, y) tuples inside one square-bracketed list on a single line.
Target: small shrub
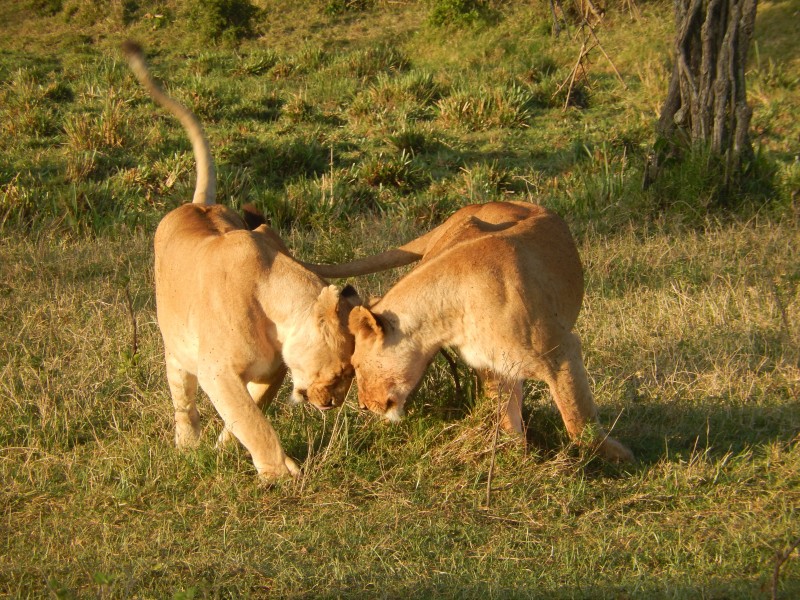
[(27, 120), (283, 69), (81, 166), (278, 161), (155, 180), (204, 103), (788, 181), (459, 13), (224, 20), (577, 97)]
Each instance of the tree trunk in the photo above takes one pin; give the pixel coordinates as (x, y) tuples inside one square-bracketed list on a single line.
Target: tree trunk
[(706, 101)]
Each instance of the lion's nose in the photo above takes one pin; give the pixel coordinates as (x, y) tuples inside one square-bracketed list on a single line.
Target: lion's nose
[(303, 395)]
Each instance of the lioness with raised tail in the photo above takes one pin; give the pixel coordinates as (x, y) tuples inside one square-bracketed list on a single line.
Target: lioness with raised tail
[(235, 311), (503, 284)]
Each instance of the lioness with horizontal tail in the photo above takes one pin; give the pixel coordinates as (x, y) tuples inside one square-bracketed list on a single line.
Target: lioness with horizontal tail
[(503, 284), (235, 311)]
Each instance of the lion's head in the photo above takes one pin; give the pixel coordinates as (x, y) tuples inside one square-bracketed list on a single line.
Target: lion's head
[(388, 365), (319, 356)]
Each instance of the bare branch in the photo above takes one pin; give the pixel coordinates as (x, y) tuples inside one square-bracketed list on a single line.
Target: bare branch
[(780, 558), (608, 58), (490, 475)]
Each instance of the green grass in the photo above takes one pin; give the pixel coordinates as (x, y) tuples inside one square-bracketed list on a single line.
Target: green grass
[(357, 126)]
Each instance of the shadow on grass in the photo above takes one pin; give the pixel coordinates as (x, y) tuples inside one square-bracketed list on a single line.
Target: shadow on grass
[(453, 586), (677, 430), (653, 429), (277, 162)]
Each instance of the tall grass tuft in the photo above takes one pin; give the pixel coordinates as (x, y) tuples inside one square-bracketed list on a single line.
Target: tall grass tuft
[(394, 170), (486, 108), (373, 60), (29, 107), (484, 182)]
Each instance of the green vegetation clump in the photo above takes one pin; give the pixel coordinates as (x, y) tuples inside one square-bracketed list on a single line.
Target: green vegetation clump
[(224, 20), (456, 13)]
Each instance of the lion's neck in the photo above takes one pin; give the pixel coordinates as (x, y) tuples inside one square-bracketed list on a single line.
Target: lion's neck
[(429, 313), (289, 296)]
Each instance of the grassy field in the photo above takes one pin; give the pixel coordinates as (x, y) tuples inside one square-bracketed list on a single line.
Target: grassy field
[(355, 126)]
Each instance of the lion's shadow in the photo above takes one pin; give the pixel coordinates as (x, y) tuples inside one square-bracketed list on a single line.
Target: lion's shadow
[(653, 428)]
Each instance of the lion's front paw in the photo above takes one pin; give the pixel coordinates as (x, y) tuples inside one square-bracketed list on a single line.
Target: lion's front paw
[(187, 428), (272, 473), (187, 437), (291, 466), (611, 450)]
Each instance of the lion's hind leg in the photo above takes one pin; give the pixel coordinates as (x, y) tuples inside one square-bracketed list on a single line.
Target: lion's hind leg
[(183, 387), (569, 385)]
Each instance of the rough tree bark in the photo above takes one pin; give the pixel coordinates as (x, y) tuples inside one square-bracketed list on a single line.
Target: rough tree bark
[(706, 101)]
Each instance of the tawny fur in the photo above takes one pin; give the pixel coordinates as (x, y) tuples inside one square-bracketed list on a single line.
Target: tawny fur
[(503, 284), (235, 311)]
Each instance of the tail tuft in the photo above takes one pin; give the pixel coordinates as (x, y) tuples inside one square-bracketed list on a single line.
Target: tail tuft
[(132, 49)]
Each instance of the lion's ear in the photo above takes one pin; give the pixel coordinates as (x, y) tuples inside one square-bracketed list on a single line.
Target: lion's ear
[(348, 300), (366, 324), (327, 302), (334, 305), (350, 296)]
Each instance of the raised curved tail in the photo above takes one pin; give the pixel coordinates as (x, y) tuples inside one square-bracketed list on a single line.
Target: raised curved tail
[(205, 190)]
